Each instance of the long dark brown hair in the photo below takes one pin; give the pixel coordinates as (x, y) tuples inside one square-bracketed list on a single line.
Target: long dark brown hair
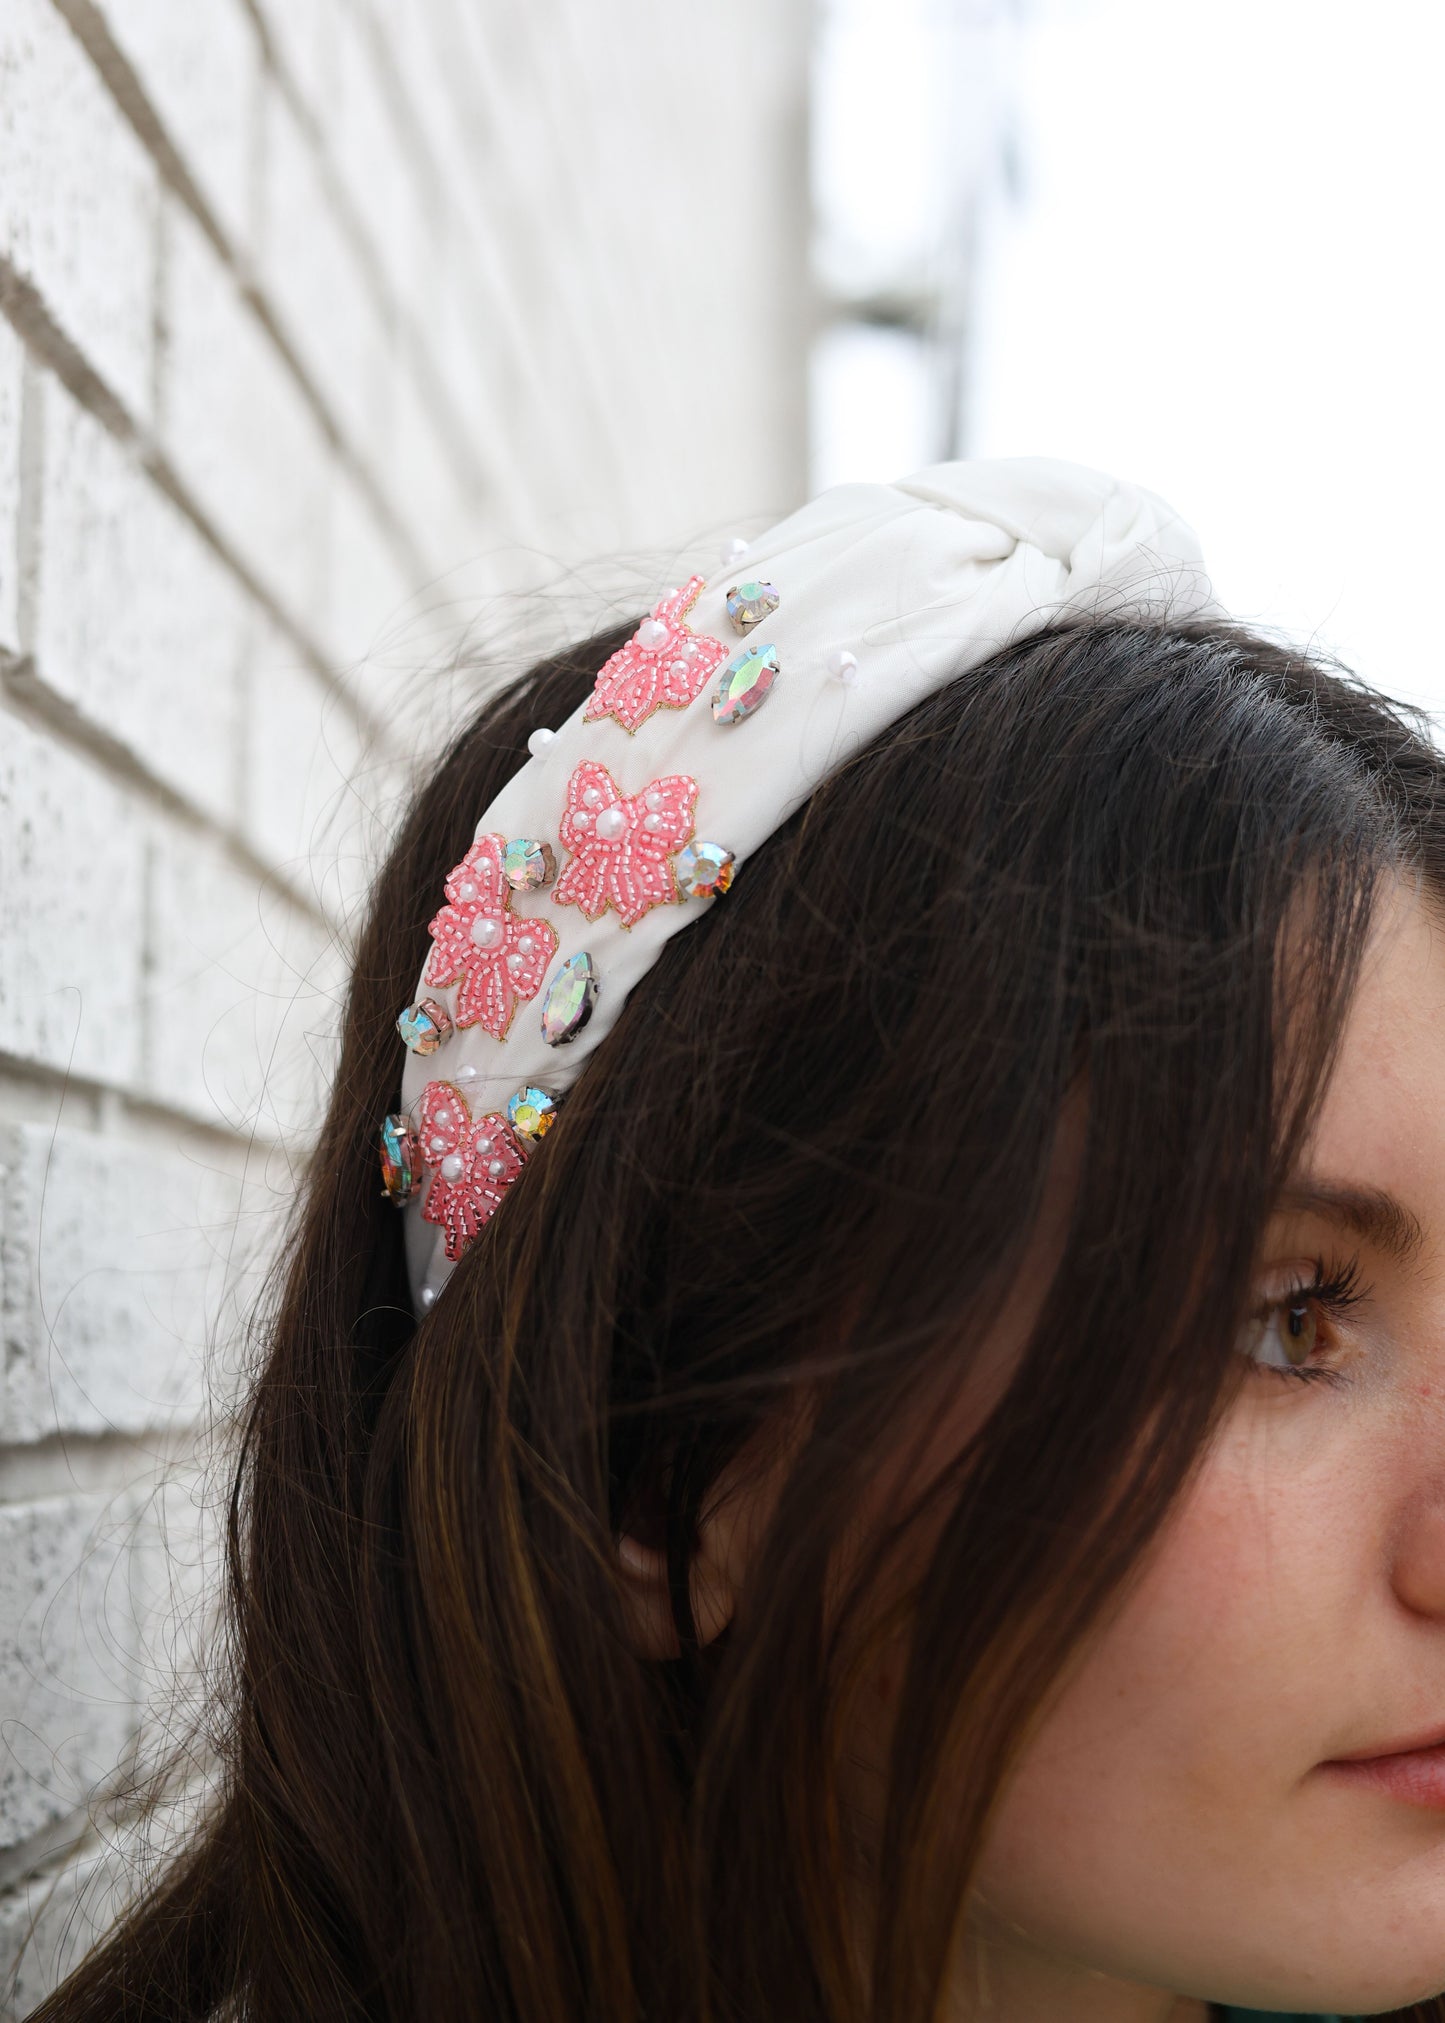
[(1122, 858)]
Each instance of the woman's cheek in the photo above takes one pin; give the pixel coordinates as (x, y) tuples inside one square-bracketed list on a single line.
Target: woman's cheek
[(1157, 1792)]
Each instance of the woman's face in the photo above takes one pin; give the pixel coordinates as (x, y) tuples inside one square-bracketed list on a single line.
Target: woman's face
[(1186, 1819)]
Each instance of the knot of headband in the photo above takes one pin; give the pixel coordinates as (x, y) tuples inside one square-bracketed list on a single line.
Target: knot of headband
[(633, 816)]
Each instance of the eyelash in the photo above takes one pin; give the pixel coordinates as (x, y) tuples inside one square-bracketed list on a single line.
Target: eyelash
[(1336, 1287)]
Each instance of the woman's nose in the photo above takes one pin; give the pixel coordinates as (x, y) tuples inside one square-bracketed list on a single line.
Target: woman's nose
[(1419, 1568)]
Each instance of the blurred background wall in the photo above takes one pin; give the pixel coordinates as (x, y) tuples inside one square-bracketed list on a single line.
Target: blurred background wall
[(348, 349)]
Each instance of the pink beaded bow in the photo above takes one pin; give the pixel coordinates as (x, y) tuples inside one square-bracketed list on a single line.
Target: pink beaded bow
[(472, 1164), (663, 666), (500, 957), (621, 844)]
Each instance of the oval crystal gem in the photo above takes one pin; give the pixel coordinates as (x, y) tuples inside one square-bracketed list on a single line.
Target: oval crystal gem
[(530, 1113), (528, 863), (423, 1026), (570, 997), (745, 683), (703, 870), (400, 1159), (749, 603)]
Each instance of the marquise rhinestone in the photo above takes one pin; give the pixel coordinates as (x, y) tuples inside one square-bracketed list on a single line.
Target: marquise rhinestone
[(703, 870), (424, 1025), (570, 997), (745, 683), (528, 864), (400, 1159), (531, 1113), (749, 603)]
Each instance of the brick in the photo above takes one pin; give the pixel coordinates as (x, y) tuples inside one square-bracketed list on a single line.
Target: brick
[(50, 1921), (48, 1924), (390, 191), (200, 68), (69, 1648), (306, 805), (442, 515), (330, 309), (78, 198), (237, 428), (112, 1261), (373, 602), (71, 911), (137, 625), (305, 38), (239, 1002), (12, 366)]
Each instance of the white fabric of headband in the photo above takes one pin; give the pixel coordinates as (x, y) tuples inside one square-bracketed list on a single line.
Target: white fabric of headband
[(870, 597)]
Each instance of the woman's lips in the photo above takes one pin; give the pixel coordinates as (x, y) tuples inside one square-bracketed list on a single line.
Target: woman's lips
[(1414, 1776)]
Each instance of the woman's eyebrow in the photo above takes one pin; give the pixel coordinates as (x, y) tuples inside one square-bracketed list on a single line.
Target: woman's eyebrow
[(1369, 1211)]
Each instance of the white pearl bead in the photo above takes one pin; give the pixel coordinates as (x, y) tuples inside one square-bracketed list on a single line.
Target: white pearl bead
[(466, 890), (690, 651), (526, 944), (485, 931), (592, 797), (484, 1144), (465, 1075), (453, 1166), (438, 1144), (651, 634), (582, 820), (427, 1297), (678, 669), (652, 822), (733, 551), (654, 800), (539, 740), (514, 962), (496, 1167), (843, 665), (444, 1116), (611, 824)]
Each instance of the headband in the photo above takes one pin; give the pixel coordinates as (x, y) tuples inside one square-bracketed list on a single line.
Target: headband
[(631, 818)]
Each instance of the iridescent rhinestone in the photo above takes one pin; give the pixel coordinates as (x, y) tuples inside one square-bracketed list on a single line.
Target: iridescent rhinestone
[(400, 1159), (424, 1025), (749, 603), (531, 1112), (703, 870), (570, 997), (528, 864), (745, 683)]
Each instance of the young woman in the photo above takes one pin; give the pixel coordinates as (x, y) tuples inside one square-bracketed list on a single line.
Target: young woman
[(891, 1465)]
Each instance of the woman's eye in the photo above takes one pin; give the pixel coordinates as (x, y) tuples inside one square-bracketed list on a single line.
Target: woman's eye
[(1298, 1332), (1288, 1335)]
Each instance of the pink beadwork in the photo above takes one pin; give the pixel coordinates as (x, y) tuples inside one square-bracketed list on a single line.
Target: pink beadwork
[(630, 870), (668, 673), (507, 965), (488, 1161)]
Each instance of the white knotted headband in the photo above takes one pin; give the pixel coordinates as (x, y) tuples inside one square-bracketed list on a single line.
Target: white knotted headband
[(703, 734)]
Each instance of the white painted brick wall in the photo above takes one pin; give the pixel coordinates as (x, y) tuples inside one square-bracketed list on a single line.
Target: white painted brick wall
[(12, 370), (77, 199), (322, 323), (138, 625)]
